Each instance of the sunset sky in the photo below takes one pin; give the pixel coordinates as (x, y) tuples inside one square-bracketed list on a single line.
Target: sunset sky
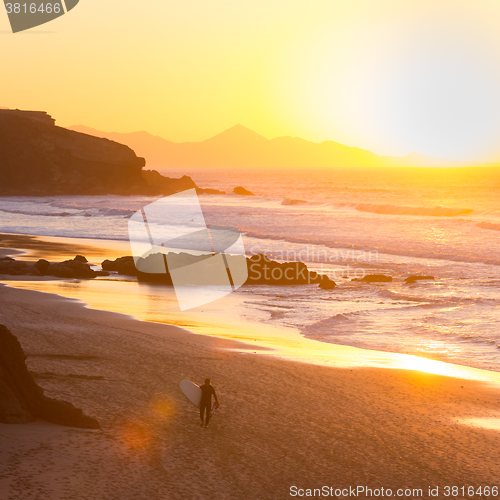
[(391, 76)]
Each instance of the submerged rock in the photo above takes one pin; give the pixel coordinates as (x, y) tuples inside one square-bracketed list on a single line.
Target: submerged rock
[(327, 284), (414, 279), (122, 265), (242, 191)]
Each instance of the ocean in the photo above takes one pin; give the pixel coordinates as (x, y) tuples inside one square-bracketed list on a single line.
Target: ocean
[(345, 223)]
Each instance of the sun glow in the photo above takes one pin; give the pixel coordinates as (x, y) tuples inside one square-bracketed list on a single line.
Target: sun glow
[(418, 84), (388, 76)]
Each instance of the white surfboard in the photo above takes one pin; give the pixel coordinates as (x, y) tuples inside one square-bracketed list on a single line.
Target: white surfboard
[(191, 391)]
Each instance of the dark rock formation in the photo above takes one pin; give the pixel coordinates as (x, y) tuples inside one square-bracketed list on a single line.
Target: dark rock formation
[(242, 191), (327, 283), (158, 184), (22, 400), (374, 278), (39, 158), (76, 268), (261, 271), (264, 271), (414, 279), (13, 267), (122, 265), (71, 269), (42, 266)]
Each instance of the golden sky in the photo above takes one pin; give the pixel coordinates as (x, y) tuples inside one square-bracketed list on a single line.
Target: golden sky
[(391, 76)]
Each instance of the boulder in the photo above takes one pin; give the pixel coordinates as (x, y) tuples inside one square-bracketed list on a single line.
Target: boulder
[(414, 279), (122, 265), (327, 284), (43, 266), (159, 184), (22, 400), (71, 269), (264, 271), (242, 191)]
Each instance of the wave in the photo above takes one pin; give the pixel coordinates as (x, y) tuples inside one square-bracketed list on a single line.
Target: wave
[(488, 225), (34, 212), (288, 201), (116, 211), (405, 210), (379, 250), (106, 212)]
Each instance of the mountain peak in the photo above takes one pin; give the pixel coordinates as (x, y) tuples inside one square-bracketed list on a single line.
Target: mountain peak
[(239, 134)]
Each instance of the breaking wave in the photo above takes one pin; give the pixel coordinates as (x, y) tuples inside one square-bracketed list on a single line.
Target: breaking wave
[(488, 225), (405, 210)]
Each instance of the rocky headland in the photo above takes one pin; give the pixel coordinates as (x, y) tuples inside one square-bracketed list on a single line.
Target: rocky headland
[(38, 158)]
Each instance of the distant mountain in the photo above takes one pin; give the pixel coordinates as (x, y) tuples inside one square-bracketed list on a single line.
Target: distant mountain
[(156, 147), (242, 147)]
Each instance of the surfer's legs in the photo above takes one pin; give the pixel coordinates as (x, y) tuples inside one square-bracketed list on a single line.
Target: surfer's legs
[(203, 407)]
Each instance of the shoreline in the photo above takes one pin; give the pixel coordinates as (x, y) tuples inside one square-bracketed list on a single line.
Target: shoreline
[(264, 339), (268, 339), (36, 247)]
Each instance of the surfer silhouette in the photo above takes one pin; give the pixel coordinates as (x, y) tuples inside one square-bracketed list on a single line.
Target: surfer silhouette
[(207, 390)]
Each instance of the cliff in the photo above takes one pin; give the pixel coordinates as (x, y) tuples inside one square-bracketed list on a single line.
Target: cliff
[(22, 400), (38, 157)]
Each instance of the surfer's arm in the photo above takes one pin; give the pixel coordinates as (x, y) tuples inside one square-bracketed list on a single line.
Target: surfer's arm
[(215, 395)]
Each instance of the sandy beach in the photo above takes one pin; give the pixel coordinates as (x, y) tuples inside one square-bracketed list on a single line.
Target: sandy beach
[(281, 423)]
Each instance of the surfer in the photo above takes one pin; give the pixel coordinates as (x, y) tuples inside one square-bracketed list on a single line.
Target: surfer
[(207, 391)]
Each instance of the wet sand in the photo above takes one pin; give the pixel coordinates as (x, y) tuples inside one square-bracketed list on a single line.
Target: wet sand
[(34, 247)]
